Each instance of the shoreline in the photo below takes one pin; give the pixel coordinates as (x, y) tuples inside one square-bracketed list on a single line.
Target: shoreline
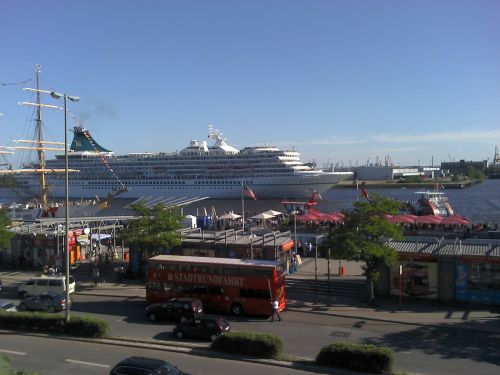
[(404, 185)]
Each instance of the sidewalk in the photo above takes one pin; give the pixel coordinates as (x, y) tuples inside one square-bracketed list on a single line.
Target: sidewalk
[(455, 316), (483, 318)]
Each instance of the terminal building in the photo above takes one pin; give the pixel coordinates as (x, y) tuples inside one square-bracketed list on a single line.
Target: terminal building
[(462, 165), (391, 173), (465, 271)]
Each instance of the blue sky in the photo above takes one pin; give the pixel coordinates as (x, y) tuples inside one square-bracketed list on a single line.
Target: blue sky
[(341, 81)]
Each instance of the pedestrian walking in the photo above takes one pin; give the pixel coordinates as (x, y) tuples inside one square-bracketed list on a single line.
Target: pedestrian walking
[(276, 307)]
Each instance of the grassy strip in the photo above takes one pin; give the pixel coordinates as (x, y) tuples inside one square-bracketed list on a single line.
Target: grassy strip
[(81, 326)]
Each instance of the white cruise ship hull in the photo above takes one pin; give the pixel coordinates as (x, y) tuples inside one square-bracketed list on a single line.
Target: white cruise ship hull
[(292, 187)]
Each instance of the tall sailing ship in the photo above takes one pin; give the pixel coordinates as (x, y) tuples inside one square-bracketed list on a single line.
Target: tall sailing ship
[(216, 171), (35, 195)]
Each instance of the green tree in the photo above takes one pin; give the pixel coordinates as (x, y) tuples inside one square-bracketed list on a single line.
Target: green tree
[(154, 228), (475, 173), (362, 237), (5, 233)]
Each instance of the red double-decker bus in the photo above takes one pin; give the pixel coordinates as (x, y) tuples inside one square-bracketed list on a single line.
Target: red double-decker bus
[(222, 284)]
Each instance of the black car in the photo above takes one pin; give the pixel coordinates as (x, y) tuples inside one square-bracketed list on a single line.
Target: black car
[(178, 309), (207, 328), (145, 366), (49, 302)]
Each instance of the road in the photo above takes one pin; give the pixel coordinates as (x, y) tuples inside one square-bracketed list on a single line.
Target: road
[(421, 349), (426, 350), (56, 357)]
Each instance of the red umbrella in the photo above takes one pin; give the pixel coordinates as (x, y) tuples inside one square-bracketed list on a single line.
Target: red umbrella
[(336, 217), (455, 220), (428, 219), (308, 217), (402, 219)]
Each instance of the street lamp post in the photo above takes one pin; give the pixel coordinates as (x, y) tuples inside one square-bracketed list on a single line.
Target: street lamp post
[(295, 227), (65, 97)]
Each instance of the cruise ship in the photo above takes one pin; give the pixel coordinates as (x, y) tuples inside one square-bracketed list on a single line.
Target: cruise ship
[(217, 171)]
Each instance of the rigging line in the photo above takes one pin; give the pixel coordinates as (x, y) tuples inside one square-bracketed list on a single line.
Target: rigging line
[(103, 159), (15, 83)]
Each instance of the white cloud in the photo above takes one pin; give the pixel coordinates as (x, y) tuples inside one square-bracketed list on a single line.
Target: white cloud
[(387, 150), (489, 136), (332, 140)]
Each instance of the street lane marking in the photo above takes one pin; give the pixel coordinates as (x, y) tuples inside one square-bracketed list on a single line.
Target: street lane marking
[(87, 363), (12, 352)]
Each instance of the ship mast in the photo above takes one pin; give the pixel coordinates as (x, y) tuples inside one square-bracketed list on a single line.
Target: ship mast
[(40, 151)]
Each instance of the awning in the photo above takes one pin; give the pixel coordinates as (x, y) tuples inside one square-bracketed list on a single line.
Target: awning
[(83, 240), (100, 236)]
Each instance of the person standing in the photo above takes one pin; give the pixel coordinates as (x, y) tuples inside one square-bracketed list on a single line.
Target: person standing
[(276, 307)]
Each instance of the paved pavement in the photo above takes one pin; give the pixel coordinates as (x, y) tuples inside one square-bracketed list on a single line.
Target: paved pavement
[(455, 316)]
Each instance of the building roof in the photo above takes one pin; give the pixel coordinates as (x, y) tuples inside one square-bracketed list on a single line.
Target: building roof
[(236, 238), (436, 247)]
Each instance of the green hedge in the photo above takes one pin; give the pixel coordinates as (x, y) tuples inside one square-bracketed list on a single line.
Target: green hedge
[(248, 343), (45, 322), (358, 357)]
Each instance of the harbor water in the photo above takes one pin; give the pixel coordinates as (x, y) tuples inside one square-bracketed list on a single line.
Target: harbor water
[(479, 203)]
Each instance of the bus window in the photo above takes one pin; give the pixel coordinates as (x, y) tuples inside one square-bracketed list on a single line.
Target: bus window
[(184, 288), (231, 271), (155, 266), (246, 272), (199, 289), (264, 273), (215, 291), (254, 293)]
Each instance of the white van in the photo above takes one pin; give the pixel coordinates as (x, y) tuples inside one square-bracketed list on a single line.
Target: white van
[(44, 284)]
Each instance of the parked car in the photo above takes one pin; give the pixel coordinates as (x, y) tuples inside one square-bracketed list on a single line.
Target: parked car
[(49, 302), (207, 328), (145, 366), (6, 305), (43, 284), (178, 309)]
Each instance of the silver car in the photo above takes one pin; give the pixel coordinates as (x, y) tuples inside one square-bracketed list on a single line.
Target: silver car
[(49, 302), (6, 305)]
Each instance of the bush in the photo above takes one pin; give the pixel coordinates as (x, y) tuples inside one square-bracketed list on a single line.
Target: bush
[(357, 357), (87, 327), (54, 323), (248, 343)]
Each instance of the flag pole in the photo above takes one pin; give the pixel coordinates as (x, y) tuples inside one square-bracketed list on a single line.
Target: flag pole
[(243, 207)]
